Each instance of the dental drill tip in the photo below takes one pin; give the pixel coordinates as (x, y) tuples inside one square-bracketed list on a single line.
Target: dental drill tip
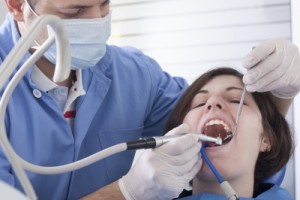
[(160, 140), (219, 141), (206, 138)]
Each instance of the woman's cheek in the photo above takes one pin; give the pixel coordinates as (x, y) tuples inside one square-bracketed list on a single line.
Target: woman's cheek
[(192, 119)]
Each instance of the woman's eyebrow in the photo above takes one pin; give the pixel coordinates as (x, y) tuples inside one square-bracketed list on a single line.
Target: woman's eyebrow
[(227, 90), (202, 91), (233, 88)]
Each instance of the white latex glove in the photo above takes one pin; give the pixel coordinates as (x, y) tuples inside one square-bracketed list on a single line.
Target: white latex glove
[(273, 66), (163, 173)]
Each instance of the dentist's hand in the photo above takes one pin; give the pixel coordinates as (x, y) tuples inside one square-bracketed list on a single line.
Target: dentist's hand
[(273, 66), (163, 173)]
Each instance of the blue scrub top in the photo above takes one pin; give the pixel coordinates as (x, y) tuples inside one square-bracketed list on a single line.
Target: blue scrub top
[(127, 96)]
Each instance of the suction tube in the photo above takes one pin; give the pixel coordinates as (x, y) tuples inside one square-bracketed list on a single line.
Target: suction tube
[(225, 186)]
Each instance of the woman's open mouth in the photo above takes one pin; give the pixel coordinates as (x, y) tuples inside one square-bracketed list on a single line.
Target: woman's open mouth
[(217, 128)]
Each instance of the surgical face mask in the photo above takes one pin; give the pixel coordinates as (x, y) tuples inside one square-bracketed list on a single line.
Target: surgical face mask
[(87, 39)]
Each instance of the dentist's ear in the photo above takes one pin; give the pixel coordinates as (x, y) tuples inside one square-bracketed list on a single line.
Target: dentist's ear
[(15, 7)]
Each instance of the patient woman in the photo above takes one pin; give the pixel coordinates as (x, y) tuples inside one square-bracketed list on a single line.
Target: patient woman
[(261, 146)]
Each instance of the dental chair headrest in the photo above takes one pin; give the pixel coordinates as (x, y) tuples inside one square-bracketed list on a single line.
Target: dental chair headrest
[(277, 178)]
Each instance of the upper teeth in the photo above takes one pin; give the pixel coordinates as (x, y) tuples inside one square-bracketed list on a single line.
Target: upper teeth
[(217, 122)]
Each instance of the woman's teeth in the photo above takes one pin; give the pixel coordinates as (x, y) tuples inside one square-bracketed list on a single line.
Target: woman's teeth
[(218, 122)]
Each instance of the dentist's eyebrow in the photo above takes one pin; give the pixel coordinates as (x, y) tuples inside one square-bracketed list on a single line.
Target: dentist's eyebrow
[(69, 7), (84, 5)]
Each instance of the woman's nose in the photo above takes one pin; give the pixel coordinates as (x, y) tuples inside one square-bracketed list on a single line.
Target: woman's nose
[(214, 103)]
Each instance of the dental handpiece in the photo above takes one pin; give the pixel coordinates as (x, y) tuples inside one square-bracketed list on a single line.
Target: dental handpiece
[(201, 138), (154, 142)]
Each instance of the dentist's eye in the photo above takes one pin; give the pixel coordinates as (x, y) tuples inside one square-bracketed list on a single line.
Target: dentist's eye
[(74, 14), (70, 13)]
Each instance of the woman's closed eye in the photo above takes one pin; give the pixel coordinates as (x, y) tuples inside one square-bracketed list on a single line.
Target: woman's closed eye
[(237, 101), (198, 105)]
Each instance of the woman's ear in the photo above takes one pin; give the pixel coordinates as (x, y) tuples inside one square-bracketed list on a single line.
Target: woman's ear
[(15, 8), (265, 145)]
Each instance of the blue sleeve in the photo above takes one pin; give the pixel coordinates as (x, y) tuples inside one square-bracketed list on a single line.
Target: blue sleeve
[(5, 166), (5, 169), (167, 90)]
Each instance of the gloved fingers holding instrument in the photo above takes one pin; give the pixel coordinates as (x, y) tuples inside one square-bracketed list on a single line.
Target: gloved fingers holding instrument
[(164, 172), (273, 66)]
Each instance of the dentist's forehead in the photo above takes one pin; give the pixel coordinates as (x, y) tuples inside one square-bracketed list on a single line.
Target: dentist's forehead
[(79, 2), (73, 3)]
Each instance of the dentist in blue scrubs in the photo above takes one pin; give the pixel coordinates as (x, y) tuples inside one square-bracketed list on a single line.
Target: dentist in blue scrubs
[(112, 95)]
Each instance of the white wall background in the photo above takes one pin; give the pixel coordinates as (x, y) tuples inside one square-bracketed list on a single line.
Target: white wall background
[(296, 39), (188, 37)]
